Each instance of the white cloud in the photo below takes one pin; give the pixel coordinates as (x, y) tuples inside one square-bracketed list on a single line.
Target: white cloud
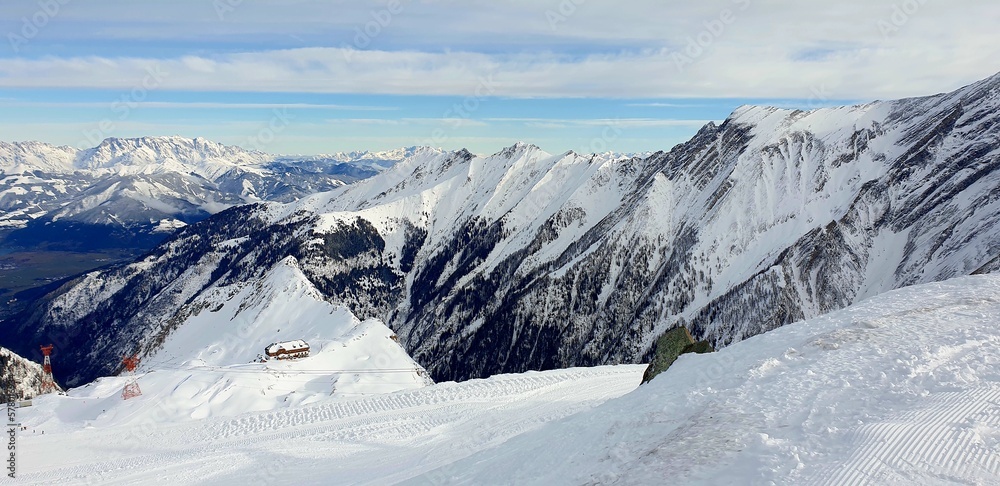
[(732, 69), (13, 102), (668, 105), (851, 49), (434, 122), (601, 122)]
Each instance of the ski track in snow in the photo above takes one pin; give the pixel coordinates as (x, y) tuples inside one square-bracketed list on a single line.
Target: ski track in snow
[(928, 439), (350, 440), (940, 440)]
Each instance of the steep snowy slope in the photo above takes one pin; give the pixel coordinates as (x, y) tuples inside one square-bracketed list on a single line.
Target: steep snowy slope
[(526, 260), (900, 389), (208, 367)]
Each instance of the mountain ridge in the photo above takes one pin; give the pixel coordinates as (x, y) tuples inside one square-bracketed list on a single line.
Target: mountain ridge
[(525, 260)]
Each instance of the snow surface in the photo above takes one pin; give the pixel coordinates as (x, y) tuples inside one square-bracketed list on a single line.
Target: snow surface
[(376, 439), (901, 389)]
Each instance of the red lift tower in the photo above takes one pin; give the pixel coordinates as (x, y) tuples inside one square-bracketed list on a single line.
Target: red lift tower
[(132, 387), (48, 382)]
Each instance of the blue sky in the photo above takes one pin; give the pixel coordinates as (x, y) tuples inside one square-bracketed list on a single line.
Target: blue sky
[(587, 75)]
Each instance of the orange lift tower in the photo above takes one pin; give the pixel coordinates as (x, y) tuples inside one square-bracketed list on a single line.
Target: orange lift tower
[(48, 382)]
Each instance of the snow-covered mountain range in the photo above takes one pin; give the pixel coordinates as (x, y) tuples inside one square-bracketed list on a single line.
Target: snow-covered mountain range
[(527, 260), (153, 185)]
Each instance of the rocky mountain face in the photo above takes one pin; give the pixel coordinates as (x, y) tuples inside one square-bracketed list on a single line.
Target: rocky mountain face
[(525, 260), (20, 378)]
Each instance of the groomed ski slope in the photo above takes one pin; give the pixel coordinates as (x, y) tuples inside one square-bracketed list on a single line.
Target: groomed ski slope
[(377, 439), (901, 389)]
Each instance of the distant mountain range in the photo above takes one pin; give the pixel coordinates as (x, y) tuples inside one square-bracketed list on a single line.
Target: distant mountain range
[(527, 260), (135, 189)]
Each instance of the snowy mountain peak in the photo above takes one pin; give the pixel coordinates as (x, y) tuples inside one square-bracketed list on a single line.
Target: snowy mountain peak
[(145, 151), (18, 157), (516, 150), (993, 81), (752, 112), (394, 154)]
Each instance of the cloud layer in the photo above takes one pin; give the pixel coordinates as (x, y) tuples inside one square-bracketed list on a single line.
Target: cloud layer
[(568, 48), (479, 74)]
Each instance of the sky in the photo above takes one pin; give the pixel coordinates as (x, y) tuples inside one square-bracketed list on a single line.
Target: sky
[(312, 76)]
